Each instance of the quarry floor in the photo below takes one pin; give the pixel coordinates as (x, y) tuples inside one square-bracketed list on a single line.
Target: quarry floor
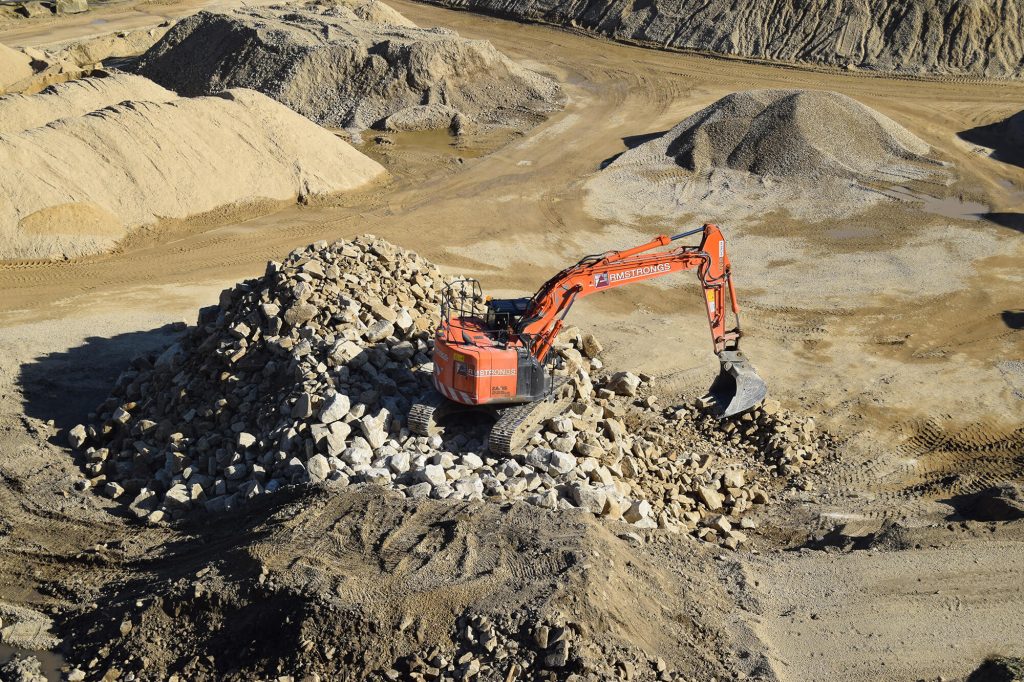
[(921, 377)]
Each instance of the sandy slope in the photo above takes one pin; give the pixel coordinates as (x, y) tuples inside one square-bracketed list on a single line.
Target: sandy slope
[(76, 98), (931, 36), (84, 183), (14, 67)]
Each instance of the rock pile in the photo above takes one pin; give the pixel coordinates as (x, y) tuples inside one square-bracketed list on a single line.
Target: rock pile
[(352, 65), (307, 374), (508, 650)]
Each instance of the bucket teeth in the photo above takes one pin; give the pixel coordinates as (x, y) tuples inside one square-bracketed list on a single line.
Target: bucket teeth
[(738, 387)]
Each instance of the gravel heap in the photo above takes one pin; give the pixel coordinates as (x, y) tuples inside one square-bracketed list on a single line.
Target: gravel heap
[(800, 134), (343, 66), (307, 374), (507, 649), (818, 154)]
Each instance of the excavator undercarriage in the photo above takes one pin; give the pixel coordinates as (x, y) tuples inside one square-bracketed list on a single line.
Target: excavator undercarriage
[(513, 424)]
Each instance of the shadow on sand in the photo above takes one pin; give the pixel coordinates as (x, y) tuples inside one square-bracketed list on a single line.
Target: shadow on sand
[(632, 142), (66, 386)]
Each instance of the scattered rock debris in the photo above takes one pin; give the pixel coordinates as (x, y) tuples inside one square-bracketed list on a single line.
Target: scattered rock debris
[(22, 669)]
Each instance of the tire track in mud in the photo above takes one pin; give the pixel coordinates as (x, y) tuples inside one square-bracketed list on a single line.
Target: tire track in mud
[(934, 458)]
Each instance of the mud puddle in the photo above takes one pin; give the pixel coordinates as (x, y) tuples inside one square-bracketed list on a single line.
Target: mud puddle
[(50, 662)]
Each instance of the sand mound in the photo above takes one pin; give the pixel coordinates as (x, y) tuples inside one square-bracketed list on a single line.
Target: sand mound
[(343, 68), (76, 98), (816, 153), (85, 182), (15, 66), (1005, 138), (947, 37)]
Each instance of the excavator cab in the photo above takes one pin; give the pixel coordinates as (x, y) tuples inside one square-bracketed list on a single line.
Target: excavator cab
[(505, 313)]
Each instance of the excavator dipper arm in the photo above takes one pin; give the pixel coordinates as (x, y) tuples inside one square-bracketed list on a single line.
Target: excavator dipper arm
[(738, 387)]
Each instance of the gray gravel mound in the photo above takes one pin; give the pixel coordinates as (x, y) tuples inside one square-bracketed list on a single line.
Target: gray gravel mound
[(816, 154), (792, 133), (942, 37), (345, 70)]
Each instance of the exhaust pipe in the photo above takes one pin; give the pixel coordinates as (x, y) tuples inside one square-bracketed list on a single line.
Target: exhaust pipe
[(737, 388)]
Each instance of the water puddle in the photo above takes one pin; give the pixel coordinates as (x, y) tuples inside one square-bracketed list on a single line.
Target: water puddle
[(950, 207), (50, 662), (953, 207), (853, 232)]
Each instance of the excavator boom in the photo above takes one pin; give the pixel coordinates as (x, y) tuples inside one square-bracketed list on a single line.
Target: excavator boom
[(494, 353), (738, 387)]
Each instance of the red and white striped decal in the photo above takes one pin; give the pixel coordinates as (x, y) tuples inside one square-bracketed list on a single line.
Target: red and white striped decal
[(452, 394)]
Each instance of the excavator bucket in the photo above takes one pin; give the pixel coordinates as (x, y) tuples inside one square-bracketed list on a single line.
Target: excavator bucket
[(737, 388)]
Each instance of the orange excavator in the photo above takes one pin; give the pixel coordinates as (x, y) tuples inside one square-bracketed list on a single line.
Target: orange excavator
[(495, 354)]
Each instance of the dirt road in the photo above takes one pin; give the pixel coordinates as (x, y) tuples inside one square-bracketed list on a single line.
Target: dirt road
[(920, 374)]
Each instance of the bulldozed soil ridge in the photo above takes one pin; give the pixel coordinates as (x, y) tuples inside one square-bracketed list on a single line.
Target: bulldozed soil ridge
[(344, 70), (85, 182), (76, 98), (933, 37)]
